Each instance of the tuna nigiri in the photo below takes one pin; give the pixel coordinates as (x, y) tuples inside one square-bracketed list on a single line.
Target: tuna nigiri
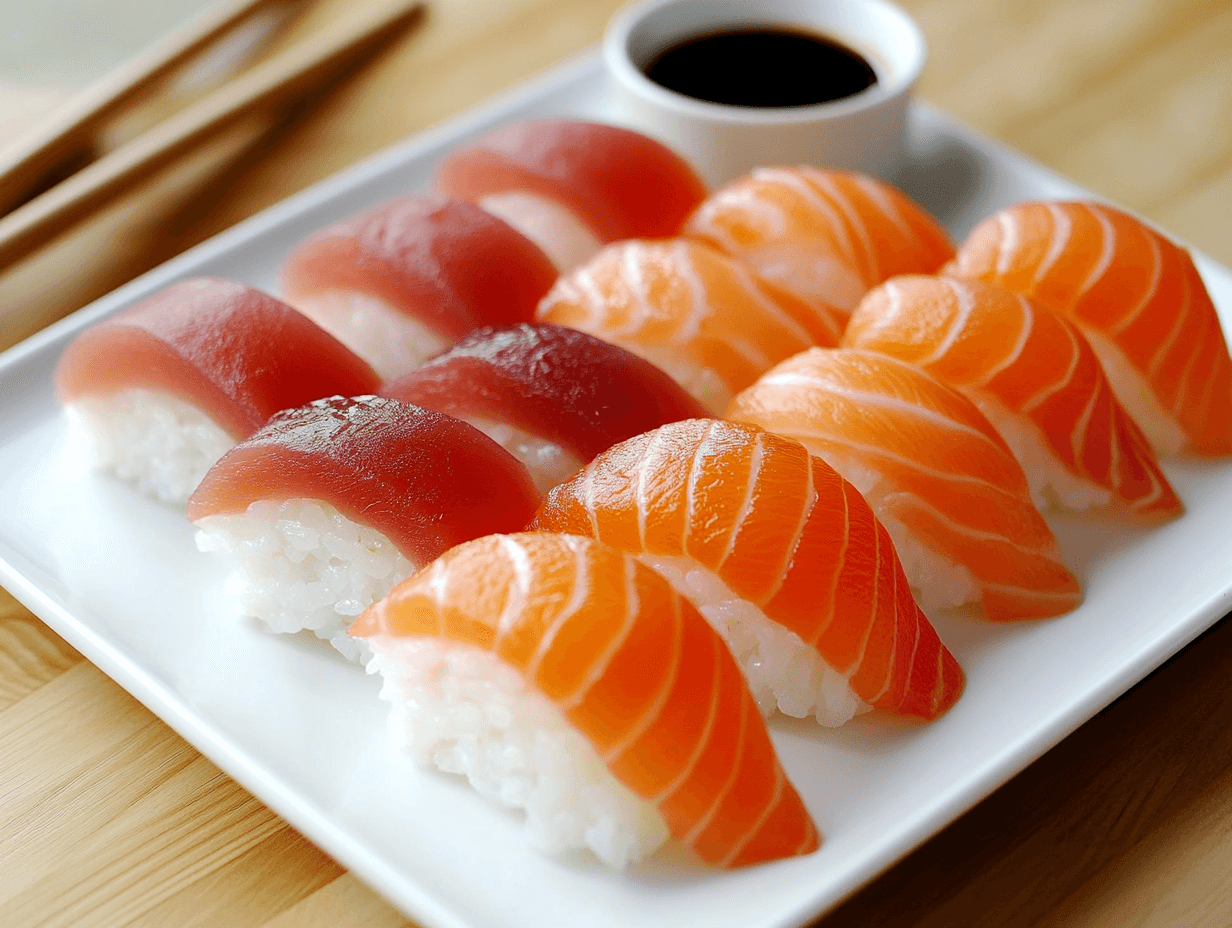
[(554, 397), (563, 677), (157, 393), (781, 554), (698, 314), (324, 509), (1032, 373), (407, 278), (826, 236), (935, 471), (1139, 300), (572, 186)]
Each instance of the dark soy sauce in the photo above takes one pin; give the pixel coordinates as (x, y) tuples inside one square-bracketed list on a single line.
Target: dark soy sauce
[(762, 67)]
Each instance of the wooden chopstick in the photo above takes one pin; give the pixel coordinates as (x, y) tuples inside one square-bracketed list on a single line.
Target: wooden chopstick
[(283, 79), (25, 161)]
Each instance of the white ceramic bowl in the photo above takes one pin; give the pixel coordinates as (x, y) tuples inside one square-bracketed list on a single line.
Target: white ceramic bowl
[(864, 132)]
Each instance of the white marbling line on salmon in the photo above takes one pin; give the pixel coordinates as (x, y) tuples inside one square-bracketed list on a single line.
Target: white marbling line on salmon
[(771, 306), (708, 817), (868, 451), (889, 312), (700, 454), (599, 666), (880, 400), (712, 714), (879, 562), (1062, 235), (776, 796), (655, 709), (518, 592), (1022, 592), (1026, 328), (1031, 403), (1179, 323), (588, 498), (644, 467), (746, 504), (966, 304), (813, 197), (1157, 270), (854, 224), (1107, 251), (887, 562), (1047, 549), (1007, 247), (1078, 434), (806, 509), (577, 599), (698, 295), (836, 575), (889, 207)]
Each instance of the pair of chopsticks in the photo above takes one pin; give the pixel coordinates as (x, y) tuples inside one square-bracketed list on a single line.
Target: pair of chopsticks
[(287, 78)]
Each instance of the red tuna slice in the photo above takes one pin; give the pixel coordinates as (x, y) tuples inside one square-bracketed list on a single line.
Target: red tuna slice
[(236, 353), (401, 281), (424, 480), (616, 182), (556, 386)]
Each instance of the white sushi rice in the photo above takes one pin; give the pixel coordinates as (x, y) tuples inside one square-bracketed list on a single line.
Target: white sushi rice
[(465, 711), (1052, 485), (393, 342), (564, 238), (549, 464), (1135, 394), (937, 581), (160, 442), (782, 671), (300, 564)]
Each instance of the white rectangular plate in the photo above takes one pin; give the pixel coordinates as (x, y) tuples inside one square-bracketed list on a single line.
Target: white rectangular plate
[(120, 579)]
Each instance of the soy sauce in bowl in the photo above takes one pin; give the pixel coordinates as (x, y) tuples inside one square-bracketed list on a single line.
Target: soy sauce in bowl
[(762, 67)]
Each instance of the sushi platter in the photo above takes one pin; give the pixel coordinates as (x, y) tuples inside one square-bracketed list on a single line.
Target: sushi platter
[(120, 578)]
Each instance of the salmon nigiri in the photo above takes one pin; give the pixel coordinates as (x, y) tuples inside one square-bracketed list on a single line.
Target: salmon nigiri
[(1138, 298), (935, 471), (781, 554), (698, 314), (564, 677), (1035, 377), (825, 235)]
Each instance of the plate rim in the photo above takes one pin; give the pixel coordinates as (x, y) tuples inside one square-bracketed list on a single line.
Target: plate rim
[(298, 809)]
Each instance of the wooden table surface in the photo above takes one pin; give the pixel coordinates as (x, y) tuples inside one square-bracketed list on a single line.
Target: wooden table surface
[(108, 818)]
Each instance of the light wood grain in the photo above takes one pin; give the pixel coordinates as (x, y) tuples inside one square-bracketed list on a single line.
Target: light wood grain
[(74, 125), (277, 84), (108, 818)]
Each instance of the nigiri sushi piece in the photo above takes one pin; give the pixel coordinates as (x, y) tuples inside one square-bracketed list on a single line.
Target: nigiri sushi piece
[(572, 186), (827, 236), (404, 280), (1033, 375), (688, 308), (1137, 297), (781, 555), (939, 477), (323, 510), (563, 677), (553, 397), (157, 393)]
